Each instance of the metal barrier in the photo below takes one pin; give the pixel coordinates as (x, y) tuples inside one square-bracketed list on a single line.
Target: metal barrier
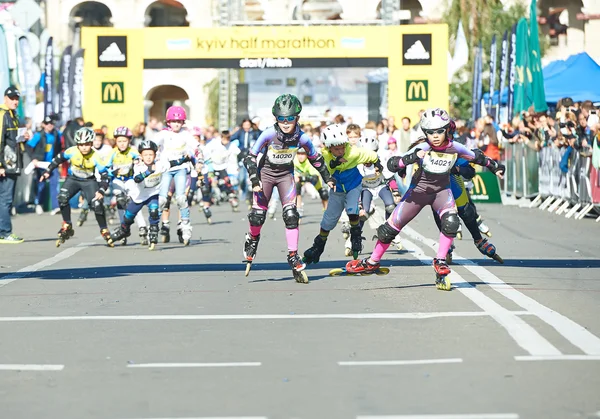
[(530, 173)]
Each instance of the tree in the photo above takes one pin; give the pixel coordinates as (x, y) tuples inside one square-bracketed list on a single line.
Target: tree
[(212, 98), (481, 20)]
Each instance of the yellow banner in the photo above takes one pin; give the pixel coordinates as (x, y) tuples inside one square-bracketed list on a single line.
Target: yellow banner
[(416, 57)]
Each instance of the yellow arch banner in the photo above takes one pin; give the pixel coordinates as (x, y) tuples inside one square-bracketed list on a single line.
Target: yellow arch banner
[(416, 57)]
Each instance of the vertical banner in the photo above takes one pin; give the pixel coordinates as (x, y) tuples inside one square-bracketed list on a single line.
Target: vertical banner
[(535, 62), (49, 80), (29, 81), (503, 70), (76, 84), (511, 73), (493, 65), (523, 91), (64, 91), (476, 82), (4, 70)]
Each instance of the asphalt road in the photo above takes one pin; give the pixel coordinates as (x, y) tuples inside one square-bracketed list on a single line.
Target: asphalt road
[(92, 332)]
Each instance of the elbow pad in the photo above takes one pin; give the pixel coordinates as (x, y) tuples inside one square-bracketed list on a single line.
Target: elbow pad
[(393, 164), (480, 158)]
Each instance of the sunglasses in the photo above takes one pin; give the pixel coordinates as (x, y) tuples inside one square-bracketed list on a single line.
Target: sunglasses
[(286, 118), (568, 124), (435, 131)]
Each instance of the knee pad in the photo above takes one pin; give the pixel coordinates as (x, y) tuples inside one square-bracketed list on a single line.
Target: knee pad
[(121, 201), (467, 212), (291, 217), (389, 209), (167, 204), (181, 201), (162, 202), (98, 207), (386, 233), (63, 198), (153, 214), (450, 224), (205, 189), (257, 217), (324, 193)]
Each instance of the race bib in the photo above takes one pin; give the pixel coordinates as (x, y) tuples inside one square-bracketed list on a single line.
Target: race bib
[(153, 180), (283, 156), (372, 181), (123, 169), (438, 163)]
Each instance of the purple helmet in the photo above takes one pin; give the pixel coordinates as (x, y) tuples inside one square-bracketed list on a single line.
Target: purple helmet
[(176, 113), (123, 132)]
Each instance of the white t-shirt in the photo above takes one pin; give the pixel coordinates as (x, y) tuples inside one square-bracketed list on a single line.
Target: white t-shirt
[(150, 186), (175, 145), (221, 156)]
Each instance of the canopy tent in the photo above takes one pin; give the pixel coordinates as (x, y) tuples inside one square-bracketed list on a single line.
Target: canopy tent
[(572, 78)]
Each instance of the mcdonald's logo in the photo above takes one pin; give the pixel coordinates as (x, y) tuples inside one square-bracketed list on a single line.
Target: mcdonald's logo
[(113, 92), (479, 186), (417, 90)]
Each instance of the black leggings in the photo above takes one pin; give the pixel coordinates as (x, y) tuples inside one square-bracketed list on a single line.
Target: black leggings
[(88, 188)]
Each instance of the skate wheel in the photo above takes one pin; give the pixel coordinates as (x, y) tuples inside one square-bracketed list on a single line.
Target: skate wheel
[(301, 277), (248, 267), (498, 259), (443, 283), (59, 242), (382, 271), (110, 243), (79, 223), (355, 255), (458, 236), (337, 272), (152, 246), (348, 252), (489, 234), (346, 235), (209, 221), (186, 242)]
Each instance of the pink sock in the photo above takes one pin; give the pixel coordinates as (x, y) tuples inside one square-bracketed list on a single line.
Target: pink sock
[(292, 235), (255, 230), (380, 249), (444, 246)]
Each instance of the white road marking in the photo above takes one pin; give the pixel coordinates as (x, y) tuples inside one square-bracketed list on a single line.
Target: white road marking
[(401, 362), (524, 335), (356, 316), (195, 365), (571, 331), (26, 271), (448, 416), (214, 417), (31, 367), (559, 358)]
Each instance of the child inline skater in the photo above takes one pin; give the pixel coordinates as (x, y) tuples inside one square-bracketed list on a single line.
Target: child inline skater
[(279, 145), (143, 189), (83, 163), (430, 186), (174, 144), (341, 161), (120, 168)]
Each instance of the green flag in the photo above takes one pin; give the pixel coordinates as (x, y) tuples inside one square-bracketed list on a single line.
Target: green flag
[(523, 78), (535, 62)]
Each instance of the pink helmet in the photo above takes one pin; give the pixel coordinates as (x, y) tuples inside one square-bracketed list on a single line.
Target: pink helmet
[(197, 131), (123, 132), (176, 113), (391, 140)]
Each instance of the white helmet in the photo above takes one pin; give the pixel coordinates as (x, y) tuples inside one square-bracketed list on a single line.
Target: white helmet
[(333, 135), (369, 140), (85, 135), (434, 118)]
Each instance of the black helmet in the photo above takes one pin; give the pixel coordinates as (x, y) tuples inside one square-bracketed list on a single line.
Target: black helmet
[(147, 145), (287, 105)]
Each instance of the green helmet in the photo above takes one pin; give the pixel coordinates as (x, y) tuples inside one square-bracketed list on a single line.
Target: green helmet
[(85, 135), (287, 105)]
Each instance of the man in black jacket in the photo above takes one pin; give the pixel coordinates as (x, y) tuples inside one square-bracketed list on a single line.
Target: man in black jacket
[(43, 147), (11, 162)]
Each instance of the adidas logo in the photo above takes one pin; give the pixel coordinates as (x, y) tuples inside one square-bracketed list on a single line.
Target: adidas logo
[(112, 53), (417, 52)]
